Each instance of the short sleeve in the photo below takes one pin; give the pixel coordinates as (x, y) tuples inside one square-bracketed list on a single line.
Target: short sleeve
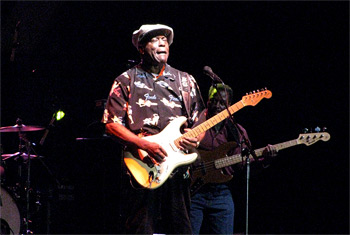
[(117, 103)]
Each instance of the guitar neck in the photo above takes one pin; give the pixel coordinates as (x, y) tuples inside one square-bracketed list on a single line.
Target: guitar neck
[(278, 147), (237, 158), (251, 99), (212, 121)]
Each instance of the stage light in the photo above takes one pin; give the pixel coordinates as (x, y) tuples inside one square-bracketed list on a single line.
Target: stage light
[(59, 115)]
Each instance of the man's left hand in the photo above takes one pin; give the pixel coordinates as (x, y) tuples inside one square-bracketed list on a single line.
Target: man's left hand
[(188, 143), (270, 151)]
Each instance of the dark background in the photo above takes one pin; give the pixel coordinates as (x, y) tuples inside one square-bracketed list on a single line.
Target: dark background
[(70, 52)]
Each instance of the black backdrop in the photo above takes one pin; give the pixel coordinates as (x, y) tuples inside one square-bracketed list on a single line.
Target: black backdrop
[(70, 52)]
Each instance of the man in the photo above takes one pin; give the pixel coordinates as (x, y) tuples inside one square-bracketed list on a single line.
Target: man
[(142, 102), (213, 202)]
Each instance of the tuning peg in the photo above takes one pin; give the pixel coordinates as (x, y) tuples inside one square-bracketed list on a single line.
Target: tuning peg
[(305, 130), (253, 92), (250, 93), (324, 129), (317, 129)]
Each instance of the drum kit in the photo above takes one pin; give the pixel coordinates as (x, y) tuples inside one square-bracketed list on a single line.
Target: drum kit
[(16, 197)]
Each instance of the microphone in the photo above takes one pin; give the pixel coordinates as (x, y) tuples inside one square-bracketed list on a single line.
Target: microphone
[(208, 71), (47, 130)]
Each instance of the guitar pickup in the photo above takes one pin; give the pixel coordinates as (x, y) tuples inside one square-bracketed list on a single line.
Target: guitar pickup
[(202, 167)]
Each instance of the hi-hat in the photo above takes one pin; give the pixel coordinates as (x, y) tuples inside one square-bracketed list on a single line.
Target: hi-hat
[(20, 128), (18, 154)]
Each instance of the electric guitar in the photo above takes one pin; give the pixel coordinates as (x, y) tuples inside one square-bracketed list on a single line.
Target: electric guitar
[(152, 175), (209, 170)]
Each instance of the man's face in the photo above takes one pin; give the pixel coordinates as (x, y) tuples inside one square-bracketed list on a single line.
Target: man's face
[(156, 51), (216, 105)]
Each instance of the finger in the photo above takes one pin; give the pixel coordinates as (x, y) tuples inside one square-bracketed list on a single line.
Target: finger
[(187, 144), (187, 129), (191, 139), (158, 158), (271, 148), (162, 152)]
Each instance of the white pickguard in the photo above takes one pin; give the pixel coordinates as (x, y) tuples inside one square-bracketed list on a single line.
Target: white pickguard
[(154, 176)]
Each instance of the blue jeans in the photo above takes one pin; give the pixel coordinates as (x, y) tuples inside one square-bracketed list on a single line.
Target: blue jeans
[(213, 204)]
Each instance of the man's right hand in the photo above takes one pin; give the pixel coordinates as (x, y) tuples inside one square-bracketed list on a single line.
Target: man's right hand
[(154, 151)]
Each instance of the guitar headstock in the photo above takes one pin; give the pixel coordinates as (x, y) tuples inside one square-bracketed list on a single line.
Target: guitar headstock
[(253, 98), (311, 138)]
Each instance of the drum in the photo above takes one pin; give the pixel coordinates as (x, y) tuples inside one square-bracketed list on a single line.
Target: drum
[(10, 216)]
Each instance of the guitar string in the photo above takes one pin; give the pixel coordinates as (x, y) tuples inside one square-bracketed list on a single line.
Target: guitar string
[(224, 114), (212, 121), (211, 164)]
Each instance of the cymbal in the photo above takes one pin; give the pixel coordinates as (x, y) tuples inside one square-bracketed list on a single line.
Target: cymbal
[(20, 128), (10, 155), (18, 154)]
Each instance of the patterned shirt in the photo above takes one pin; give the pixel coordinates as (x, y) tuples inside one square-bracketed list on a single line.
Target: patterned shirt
[(146, 104)]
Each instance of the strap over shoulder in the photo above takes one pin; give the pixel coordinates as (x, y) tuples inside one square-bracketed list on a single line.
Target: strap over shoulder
[(190, 89), (185, 85)]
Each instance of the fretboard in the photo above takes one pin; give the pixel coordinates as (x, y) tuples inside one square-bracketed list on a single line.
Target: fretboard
[(211, 121)]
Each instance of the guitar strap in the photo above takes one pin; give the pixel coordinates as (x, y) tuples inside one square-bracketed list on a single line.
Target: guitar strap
[(185, 92), (186, 96)]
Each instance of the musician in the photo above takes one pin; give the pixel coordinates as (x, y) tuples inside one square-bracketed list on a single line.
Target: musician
[(142, 102), (213, 202)]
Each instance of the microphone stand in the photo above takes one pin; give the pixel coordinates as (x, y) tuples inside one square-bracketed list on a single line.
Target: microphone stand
[(28, 186), (29, 148), (42, 140), (244, 152), (23, 138)]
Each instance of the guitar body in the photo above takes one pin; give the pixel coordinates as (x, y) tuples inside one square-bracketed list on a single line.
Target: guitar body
[(206, 172), (150, 175)]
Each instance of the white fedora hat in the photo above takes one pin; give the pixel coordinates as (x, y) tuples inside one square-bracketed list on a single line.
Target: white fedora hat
[(146, 29)]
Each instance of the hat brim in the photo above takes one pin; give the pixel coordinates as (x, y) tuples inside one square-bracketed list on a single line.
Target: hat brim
[(153, 33), (148, 31)]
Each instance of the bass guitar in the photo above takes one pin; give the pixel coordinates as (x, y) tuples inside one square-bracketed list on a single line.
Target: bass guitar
[(152, 175), (209, 170)]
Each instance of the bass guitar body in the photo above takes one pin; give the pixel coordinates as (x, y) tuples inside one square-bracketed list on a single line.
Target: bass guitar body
[(205, 171)]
